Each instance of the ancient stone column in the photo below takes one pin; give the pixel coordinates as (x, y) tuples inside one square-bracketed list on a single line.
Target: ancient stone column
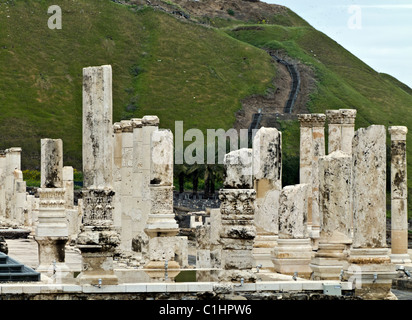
[(399, 196), (267, 170), (51, 232), (73, 220), (19, 197), (3, 170), (97, 239), (335, 171), (161, 226), (318, 139), (13, 162), (347, 129), (126, 189), (150, 124), (117, 174), (137, 174), (306, 159), (237, 216), (369, 261), (294, 250), (341, 128)]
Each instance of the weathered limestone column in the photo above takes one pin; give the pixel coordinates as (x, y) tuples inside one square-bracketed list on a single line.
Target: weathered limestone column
[(128, 207), (369, 261), (13, 162), (348, 129), (117, 175), (294, 250), (267, 170), (3, 170), (51, 232), (137, 174), (306, 159), (399, 196), (237, 216), (341, 129), (318, 139), (19, 197), (97, 240), (161, 226), (335, 171), (150, 124), (71, 211)]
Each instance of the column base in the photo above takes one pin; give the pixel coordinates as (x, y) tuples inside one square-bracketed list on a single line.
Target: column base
[(329, 261), (262, 249), (293, 255), (372, 272), (400, 259)]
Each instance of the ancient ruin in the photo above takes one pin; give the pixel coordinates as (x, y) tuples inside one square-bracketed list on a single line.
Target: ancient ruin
[(330, 229)]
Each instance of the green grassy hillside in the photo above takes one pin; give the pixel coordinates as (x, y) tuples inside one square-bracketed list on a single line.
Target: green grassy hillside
[(176, 70)]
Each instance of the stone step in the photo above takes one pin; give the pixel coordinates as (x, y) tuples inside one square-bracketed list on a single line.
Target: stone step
[(13, 271)]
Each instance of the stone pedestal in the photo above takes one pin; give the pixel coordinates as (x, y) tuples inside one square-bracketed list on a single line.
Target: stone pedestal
[(399, 197), (294, 250), (51, 233), (97, 239)]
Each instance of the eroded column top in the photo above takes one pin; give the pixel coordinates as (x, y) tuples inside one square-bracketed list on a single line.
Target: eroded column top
[(117, 127), (341, 116), (136, 122), (126, 126), (312, 120), (398, 132), (150, 121)]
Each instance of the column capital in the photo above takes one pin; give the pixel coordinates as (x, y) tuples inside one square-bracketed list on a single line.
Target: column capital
[(117, 127), (126, 126), (341, 116), (318, 120), (150, 121), (398, 132), (312, 120), (349, 116), (136, 122), (14, 149)]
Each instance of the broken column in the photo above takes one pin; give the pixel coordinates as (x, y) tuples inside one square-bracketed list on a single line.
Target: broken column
[(369, 261), (341, 128), (51, 232), (13, 162), (161, 227), (237, 216), (399, 196), (335, 191), (97, 240), (72, 213), (293, 252), (267, 172)]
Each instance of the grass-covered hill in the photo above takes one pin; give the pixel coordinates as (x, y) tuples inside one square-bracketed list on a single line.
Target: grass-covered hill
[(178, 60)]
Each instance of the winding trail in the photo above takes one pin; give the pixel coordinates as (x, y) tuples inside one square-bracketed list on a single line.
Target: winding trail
[(293, 95)]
